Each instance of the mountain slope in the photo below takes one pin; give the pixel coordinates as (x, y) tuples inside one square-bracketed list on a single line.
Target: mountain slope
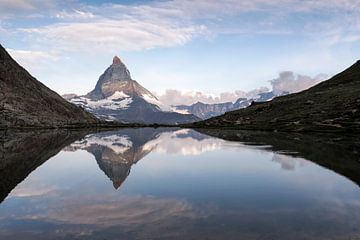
[(117, 97), (333, 105), (25, 102)]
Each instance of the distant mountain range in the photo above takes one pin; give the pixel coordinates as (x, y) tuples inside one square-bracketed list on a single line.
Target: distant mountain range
[(205, 111), (25, 102), (332, 105), (117, 97)]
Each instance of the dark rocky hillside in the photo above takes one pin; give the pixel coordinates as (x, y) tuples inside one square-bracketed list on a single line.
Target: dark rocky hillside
[(25, 102), (332, 106)]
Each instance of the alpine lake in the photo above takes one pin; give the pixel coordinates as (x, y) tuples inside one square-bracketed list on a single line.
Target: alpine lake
[(173, 183)]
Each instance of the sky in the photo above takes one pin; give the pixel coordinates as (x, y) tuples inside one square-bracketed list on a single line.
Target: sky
[(184, 50)]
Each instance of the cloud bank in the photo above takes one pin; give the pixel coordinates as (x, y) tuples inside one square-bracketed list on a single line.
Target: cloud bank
[(176, 97), (290, 82), (287, 81)]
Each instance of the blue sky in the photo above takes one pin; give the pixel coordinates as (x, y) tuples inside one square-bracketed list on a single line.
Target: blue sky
[(206, 50)]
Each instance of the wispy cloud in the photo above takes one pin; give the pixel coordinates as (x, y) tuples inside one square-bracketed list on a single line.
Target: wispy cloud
[(31, 59), (115, 27), (114, 35), (24, 8), (177, 22), (74, 15)]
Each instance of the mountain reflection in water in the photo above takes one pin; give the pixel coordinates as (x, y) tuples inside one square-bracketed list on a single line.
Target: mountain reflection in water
[(178, 184)]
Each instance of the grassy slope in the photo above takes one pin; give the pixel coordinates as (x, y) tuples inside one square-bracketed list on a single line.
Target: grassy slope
[(333, 105)]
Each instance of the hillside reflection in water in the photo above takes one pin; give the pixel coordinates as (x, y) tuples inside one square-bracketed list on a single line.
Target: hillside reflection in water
[(179, 184)]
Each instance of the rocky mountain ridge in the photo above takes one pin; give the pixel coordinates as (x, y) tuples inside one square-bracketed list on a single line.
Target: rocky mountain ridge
[(26, 102), (117, 97)]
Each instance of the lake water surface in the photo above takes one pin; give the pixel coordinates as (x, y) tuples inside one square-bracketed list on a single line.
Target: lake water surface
[(179, 184)]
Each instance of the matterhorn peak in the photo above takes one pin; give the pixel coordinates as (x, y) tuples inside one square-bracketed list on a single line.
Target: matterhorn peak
[(116, 60), (117, 97)]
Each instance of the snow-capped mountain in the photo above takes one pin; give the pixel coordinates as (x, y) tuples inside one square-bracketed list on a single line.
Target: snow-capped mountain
[(205, 111), (117, 97)]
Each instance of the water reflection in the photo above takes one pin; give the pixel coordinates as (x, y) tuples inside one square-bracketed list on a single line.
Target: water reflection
[(183, 185), (116, 151), (22, 152), (340, 153)]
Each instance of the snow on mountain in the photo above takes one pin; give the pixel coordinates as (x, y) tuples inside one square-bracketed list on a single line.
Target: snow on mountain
[(118, 100), (117, 97)]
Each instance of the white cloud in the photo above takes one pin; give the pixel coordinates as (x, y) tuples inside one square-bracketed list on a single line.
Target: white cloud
[(74, 15), (31, 59), (287, 81), (21, 8), (115, 35), (290, 82), (176, 97), (18, 4)]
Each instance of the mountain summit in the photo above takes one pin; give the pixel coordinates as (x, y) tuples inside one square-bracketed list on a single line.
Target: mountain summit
[(116, 60), (117, 97), (117, 78)]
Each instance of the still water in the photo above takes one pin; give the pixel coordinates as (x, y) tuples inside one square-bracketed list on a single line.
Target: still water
[(178, 184)]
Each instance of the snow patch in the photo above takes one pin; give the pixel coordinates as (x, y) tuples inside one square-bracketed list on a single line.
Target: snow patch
[(119, 100), (118, 144), (181, 111), (118, 94)]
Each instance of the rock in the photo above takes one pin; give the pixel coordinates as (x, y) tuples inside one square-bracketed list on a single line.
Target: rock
[(117, 97), (26, 102)]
